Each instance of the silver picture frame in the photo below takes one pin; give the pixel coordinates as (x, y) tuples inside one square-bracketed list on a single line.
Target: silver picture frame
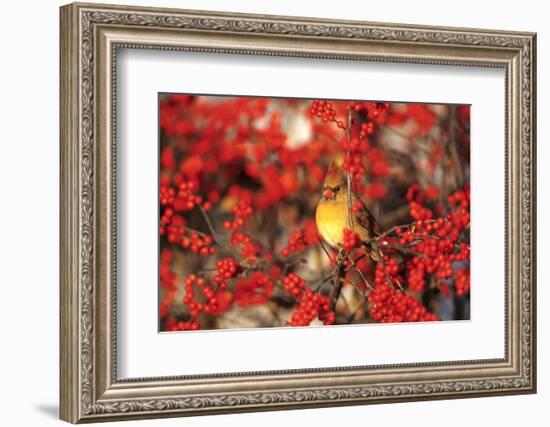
[(91, 34)]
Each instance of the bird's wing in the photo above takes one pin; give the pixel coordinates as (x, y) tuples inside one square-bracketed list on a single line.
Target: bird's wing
[(367, 220)]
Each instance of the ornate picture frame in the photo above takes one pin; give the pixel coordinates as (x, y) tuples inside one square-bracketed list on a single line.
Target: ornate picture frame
[(90, 37)]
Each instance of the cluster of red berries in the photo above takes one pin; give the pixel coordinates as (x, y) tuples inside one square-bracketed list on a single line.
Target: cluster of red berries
[(434, 257), (172, 325), (216, 301), (391, 266), (351, 240), (167, 195), (415, 275), (326, 111), (460, 198), (310, 307), (296, 243), (175, 231), (249, 249), (200, 244), (238, 238), (300, 240), (226, 269), (462, 281), (168, 279), (435, 242), (212, 305), (419, 212), (417, 267), (357, 147), (405, 236), (185, 199), (353, 160), (366, 129), (381, 276), (189, 297), (390, 306), (166, 219), (242, 211), (463, 253), (294, 285), (371, 108), (416, 198), (256, 289), (170, 117), (172, 225)]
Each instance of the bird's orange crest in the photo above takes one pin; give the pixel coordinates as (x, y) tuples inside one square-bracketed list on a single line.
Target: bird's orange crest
[(335, 176)]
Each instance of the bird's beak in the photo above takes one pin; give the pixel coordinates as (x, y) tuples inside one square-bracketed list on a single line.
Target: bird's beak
[(328, 194)]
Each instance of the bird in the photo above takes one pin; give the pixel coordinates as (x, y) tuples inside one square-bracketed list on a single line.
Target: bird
[(332, 215)]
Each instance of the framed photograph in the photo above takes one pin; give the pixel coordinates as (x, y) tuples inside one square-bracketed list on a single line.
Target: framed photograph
[(266, 212)]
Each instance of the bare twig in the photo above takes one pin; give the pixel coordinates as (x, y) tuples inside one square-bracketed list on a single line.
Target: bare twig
[(208, 222)]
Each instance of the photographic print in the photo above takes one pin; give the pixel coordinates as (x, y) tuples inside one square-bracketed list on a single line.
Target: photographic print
[(304, 223), (280, 212)]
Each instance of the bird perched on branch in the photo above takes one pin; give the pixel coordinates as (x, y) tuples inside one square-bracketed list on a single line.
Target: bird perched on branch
[(333, 211)]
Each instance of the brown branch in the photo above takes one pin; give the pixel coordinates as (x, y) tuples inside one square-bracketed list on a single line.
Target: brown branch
[(348, 174)]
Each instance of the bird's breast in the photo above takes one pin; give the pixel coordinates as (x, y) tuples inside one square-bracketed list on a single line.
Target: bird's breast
[(332, 218)]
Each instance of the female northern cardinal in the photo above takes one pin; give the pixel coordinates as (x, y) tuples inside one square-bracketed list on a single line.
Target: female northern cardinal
[(332, 214)]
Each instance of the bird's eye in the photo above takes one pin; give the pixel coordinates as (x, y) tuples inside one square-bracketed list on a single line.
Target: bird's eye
[(336, 189)]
